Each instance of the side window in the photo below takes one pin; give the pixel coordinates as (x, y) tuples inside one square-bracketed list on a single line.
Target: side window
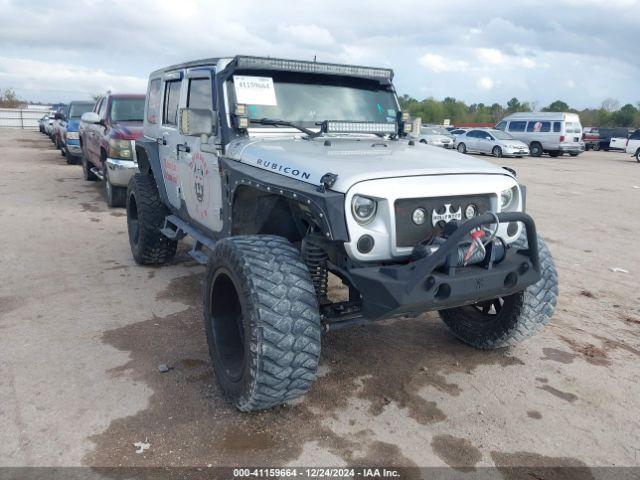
[(102, 110), (501, 126), (539, 126), (153, 101), (517, 126), (472, 134), (636, 135), (200, 94), (557, 127), (171, 101)]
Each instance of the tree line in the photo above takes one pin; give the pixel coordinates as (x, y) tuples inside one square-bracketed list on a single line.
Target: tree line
[(609, 114)]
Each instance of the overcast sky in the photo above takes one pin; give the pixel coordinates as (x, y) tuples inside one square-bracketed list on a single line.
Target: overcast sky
[(580, 51)]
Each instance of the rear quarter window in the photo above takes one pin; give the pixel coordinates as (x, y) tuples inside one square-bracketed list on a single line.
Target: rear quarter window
[(153, 100), (171, 102)]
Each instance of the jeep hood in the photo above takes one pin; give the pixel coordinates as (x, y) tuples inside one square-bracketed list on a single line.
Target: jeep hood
[(353, 160)]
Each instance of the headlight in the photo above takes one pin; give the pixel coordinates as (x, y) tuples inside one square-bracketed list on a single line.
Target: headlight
[(72, 135), (120, 149), (363, 209), (506, 198)]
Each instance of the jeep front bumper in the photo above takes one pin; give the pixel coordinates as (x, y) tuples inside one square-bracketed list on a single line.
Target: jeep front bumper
[(429, 284), (121, 171)]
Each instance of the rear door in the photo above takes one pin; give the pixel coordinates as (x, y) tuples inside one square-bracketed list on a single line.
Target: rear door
[(169, 136), (485, 142), (540, 131), (471, 140)]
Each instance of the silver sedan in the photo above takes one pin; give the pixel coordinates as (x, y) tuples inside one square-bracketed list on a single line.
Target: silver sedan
[(494, 142), (436, 136)]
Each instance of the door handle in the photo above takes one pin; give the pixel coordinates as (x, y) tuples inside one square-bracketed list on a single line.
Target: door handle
[(161, 141)]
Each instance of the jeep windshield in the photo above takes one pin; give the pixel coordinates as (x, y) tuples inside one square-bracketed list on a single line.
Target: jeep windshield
[(309, 99)]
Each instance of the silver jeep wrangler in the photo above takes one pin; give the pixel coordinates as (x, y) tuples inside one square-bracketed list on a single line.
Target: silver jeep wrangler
[(283, 172)]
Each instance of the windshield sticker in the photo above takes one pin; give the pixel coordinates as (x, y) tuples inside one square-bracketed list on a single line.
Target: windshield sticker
[(254, 90)]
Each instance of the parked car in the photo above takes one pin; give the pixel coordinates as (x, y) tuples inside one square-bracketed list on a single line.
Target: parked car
[(56, 132), (613, 138), (241, 155), (436, 136), (42, 122), (633, 145), (591, 138), (494, 142), (68, 127), (48, 125), (107, 140), (554, 133)]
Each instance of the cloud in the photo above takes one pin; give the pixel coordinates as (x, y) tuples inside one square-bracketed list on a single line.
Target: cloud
[(57, 79), (438, 63), (526, 51), (485, 83), (490, 56), (310, 35)]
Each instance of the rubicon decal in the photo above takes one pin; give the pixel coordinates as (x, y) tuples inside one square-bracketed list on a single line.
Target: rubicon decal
[(278, 167)]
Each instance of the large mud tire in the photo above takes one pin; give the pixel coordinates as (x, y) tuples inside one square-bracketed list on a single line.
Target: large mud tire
[(507, 321), (145, 218), (261, 320)]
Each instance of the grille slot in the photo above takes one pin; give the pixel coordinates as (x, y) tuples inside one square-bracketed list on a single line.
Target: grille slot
[(408, 233)]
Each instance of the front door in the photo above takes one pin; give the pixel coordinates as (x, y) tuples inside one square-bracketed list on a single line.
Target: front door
[(199, 170)]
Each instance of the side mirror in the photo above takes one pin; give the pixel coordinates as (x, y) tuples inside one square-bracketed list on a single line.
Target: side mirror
[(90, 117), (58, 116), (197, 121)]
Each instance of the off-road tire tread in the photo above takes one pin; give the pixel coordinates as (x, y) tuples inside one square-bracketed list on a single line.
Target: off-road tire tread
[(283, 311), (153, 247), (533, 309)]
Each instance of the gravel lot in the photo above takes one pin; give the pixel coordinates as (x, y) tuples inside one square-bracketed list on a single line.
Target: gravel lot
[(83, 330)]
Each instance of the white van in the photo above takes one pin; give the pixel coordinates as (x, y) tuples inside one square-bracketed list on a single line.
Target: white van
[(554, 133)]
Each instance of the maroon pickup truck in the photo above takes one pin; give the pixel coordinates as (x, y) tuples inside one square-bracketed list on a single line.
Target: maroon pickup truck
[(107, 138)]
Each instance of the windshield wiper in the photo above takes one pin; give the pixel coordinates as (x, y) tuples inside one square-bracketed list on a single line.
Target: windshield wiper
[(285, 123)]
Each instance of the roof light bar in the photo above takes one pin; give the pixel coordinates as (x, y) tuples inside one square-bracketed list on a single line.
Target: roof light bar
[(313, 67), (340, 126)]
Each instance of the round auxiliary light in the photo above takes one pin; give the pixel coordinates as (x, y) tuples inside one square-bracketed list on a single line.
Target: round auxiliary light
[(365, 244), (470, 211), (418, 216)]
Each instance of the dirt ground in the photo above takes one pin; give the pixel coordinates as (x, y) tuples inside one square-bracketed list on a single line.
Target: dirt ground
[(83, 330)]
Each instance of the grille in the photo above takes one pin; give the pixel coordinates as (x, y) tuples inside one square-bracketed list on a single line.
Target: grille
[(409, 234)]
